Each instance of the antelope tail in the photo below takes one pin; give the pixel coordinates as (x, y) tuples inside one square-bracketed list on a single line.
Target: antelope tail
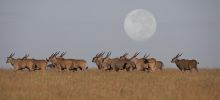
[(87, 67)]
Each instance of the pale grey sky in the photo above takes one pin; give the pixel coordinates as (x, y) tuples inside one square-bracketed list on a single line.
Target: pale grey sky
[(86, 27)]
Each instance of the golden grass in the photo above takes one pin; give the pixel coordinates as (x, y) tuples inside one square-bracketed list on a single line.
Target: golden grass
[(96, 85)]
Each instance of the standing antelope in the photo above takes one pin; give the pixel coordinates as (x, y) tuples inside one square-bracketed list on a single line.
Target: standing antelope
[(184, 64), (98, 60)]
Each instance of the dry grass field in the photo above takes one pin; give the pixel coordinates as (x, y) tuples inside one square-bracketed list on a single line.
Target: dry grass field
[(96, 85)]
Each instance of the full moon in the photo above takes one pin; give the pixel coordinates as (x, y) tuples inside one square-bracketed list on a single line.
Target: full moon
[(140, 25)]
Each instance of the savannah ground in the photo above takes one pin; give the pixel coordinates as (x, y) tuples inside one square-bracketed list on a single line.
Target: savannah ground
[(96, 85)]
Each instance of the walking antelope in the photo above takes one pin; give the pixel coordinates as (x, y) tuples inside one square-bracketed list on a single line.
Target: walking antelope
[(20, 64), (151, 65), (68, 64), (150, 62), (77, 63), (106, 62), (118, 63), (37, 64), (59, 62), (128, 64)]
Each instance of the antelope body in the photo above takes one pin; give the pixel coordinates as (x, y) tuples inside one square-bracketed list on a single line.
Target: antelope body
[(40, 64), (184, 64)]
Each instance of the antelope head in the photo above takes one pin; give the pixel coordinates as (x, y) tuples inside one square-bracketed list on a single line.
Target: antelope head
[(97, 56), (123, 57), (10, 57), (176, 57), (53, 56)]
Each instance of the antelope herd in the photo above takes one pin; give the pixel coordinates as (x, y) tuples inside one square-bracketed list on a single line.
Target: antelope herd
[(104, 63)]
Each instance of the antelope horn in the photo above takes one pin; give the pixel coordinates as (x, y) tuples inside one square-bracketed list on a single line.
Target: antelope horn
[(12, 54), (108, 54), (63, 54), (145, 55), (102, 53), (148, 55), (180, 55), (135, 55), (52, 55), (56, 53), (177, 55), (125, 54), (97, 54)]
